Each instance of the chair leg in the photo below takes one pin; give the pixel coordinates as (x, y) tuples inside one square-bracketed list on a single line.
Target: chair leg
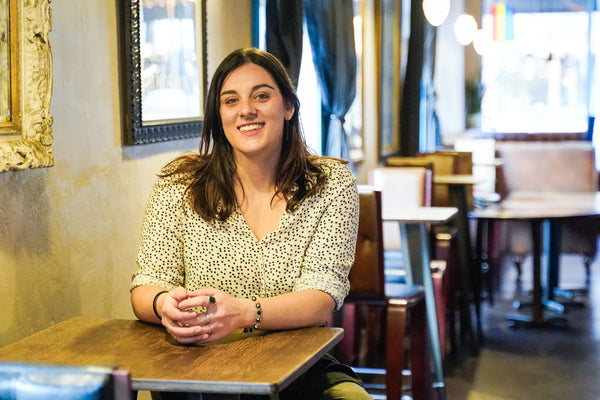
[(347, 348), (518, 263), (421, 383), (420, 367), (587, 262), (394, 360)]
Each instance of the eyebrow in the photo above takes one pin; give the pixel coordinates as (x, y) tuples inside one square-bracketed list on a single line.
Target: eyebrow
[(254, 88)]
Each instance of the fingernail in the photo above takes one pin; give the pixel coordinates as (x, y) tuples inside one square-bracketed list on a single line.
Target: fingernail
[(212, 300)]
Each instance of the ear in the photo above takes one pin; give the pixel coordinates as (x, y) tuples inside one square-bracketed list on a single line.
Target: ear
[(289, 112)]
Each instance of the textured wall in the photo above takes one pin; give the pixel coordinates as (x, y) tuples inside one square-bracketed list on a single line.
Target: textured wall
[(69, 234)]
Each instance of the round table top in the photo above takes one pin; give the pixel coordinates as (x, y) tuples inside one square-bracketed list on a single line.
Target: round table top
[(542, 205)]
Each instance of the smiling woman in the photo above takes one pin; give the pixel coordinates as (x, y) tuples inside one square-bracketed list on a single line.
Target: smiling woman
[(253, 230)]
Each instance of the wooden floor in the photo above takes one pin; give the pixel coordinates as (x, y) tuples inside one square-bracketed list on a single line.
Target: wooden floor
[(520, 364)]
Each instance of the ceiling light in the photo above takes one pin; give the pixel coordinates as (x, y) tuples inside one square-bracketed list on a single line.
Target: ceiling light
[(465, 29), (436, 11)]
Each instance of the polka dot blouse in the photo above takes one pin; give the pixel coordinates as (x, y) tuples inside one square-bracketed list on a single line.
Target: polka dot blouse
[(312, 248)]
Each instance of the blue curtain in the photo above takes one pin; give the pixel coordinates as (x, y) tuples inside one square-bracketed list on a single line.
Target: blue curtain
[(284, 34), (331, 32)]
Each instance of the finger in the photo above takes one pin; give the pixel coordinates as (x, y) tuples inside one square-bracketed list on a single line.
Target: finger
[(179, 293), (186, 332), (197, 334), (177, 314), (195, 340), (197, 301), (192, 321)]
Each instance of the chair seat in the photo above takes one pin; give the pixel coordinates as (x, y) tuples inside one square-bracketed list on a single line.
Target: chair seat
[(401, 291), (394, 269)]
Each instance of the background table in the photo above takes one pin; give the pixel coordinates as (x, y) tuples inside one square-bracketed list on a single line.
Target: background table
[(263, 364), (544, 211)]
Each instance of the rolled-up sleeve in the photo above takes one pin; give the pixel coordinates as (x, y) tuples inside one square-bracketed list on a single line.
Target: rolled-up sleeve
[(330, 253), (160, 255)]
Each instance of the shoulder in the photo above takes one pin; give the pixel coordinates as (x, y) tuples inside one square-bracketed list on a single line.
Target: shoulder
[(337, 171), (339, 176), (169, 190)]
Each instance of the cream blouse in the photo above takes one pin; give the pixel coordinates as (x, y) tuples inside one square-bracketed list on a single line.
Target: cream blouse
[(312, 248)]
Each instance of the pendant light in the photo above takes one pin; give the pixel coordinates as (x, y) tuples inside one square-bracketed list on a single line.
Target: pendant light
[(436, 11)]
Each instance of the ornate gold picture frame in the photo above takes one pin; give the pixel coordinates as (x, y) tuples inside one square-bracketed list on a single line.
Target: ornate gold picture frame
[(26, 128)]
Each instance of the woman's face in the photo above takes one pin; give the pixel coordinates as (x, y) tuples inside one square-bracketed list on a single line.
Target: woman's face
[(253, 111)]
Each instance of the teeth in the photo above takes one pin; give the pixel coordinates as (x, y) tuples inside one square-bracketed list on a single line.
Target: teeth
[(252, 127)]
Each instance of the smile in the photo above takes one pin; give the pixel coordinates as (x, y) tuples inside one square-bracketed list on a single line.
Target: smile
[(250, 127)]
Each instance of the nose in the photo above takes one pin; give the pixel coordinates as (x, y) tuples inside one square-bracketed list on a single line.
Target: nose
[(247, 108)]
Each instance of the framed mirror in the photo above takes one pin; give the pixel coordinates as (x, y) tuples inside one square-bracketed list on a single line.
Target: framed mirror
[(25, 85), (163, 69)]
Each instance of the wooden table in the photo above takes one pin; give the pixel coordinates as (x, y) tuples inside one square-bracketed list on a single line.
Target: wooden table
[(264, 364), (544, 211), (413, 233)]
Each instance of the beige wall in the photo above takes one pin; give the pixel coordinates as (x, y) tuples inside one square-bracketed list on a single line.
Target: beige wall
[(69, 234)]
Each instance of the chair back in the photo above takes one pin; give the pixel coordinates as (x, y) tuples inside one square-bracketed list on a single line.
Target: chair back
[(446, 162), (401, 187), (417, 162), (42, 381), (547, 166), (367, 275)]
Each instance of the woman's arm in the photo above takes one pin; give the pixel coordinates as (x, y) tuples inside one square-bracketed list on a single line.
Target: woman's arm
[(296, 310), (142, 298), (226, 314)]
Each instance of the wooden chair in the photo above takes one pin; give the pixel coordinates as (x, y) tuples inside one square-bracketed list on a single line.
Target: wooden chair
[(403, 187), (42, 381), (375, 310)]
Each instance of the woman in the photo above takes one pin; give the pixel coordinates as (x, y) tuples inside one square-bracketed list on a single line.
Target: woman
[(254, 232)]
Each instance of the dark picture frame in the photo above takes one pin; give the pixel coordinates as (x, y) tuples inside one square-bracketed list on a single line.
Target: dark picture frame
[(162, 60)]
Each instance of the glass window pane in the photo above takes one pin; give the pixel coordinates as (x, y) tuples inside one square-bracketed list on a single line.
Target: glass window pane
[(538, 80)]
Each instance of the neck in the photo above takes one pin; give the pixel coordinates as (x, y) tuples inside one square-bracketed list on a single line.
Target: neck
[(257, 175)]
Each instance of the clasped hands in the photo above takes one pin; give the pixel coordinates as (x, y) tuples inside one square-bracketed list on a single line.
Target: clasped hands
[(220, 315)]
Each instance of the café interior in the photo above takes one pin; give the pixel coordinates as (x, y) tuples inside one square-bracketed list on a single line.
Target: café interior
[(469, 125)]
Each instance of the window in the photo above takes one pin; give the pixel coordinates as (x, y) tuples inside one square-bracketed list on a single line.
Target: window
[(538, 69), (308, 87)]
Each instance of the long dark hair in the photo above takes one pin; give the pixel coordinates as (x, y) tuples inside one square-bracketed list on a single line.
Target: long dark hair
[(210, 175)]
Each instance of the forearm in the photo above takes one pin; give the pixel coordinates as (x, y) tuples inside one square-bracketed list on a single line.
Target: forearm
[(294, 310), (142, 298)]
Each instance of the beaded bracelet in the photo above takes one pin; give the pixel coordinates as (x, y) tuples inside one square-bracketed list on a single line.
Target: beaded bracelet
[(258, 316), (154, 302)]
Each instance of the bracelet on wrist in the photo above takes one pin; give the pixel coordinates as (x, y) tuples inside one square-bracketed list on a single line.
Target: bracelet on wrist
[(154, 302), (258, 316)]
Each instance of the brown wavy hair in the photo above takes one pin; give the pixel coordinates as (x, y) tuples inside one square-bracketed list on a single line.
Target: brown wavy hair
[(210, 174)]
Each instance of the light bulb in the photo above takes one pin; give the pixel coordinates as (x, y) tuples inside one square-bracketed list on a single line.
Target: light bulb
[(436, 11), (465, 29)]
